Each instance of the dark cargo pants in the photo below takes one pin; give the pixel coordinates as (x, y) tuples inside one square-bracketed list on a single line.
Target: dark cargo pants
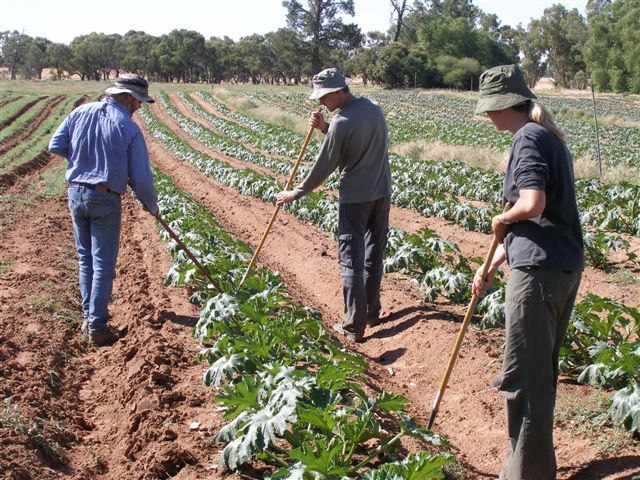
[(538, 307), (362, 238)]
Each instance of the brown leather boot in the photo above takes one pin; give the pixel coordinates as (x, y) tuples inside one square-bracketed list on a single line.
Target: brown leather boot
[(102, 338)]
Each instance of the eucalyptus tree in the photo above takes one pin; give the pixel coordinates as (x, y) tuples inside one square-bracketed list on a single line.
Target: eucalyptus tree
[(400, 9), (36, 58), (533, 53), (181, 56), (320, 26), (257, 57), (59, 58), (85, 59), (14, 46), (563, 37), (613, 47), (290, 58), (138, 53), (390, 67), (218, 58)]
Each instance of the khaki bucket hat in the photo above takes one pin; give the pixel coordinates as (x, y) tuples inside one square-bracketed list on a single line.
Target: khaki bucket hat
[(133, 84), (502, 87), (327, 81)]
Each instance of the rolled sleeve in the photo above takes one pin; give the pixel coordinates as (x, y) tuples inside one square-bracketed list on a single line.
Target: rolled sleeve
[(532, 170)]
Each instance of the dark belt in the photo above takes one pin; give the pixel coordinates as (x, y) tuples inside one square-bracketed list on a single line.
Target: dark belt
[(90, 186), (536, 267)]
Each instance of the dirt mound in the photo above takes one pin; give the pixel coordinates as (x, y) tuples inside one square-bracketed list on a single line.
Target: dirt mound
[(135, 410)]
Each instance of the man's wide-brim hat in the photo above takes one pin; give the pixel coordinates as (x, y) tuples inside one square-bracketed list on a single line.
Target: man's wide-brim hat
[(133, 84), (327, 81), (501, 88)]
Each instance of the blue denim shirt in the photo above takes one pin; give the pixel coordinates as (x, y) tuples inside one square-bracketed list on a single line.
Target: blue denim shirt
[(103, 145)]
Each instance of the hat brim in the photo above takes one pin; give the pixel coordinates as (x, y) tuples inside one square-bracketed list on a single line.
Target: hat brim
[(321, 92), (137, 95), (501, 101)]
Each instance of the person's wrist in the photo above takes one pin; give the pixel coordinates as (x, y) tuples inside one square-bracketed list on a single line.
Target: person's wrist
[(325, 129), (502, 220)]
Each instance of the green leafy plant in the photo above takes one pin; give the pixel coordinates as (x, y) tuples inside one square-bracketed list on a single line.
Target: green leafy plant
[(602, 348), (293, 397)]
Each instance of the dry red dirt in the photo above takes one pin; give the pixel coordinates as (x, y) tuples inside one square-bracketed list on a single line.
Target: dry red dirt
[(138, 410)]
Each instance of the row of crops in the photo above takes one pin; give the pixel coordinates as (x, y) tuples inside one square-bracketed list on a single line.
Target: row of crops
[(36, 143), (430, 188), (292, 396), (593, 354), (412, 116)]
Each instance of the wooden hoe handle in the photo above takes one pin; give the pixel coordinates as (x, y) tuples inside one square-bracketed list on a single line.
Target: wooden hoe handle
[(465, 324), (186, 250), (292, 176)]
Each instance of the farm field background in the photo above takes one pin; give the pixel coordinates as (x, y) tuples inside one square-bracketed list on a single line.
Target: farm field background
[(139, 410)]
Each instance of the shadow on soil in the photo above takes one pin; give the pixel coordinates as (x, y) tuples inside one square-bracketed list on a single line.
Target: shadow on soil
[(599, 469), (410, 316), (389, 357), (184, 320)]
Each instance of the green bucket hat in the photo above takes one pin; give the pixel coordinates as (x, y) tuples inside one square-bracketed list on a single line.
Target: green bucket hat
[(502, 87)]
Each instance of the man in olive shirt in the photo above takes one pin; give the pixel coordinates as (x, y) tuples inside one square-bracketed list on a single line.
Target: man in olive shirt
[(356, 144)]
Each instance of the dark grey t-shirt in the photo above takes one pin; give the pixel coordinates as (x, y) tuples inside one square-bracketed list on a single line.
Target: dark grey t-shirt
[(540, 161)]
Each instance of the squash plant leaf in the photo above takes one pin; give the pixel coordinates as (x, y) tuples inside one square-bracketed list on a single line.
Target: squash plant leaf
[(625, 408)]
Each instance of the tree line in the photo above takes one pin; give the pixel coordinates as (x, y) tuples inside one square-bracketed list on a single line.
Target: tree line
[(429, 43)]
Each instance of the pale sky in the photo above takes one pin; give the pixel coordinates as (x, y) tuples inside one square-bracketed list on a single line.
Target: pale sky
[(63, 20)]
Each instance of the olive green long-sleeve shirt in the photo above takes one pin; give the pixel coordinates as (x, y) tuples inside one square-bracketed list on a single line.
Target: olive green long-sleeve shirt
[(356, 144)]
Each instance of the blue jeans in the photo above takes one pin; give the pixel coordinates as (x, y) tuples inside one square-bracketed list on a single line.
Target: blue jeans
[(96, 226)]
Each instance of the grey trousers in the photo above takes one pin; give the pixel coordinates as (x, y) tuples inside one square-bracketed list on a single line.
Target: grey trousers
[(538, 307), (362, 238)]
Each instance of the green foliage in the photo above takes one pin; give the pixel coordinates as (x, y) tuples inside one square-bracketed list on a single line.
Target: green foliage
[(458, 72), (603, 349), (602, 333), (415, 467), (293, 397), (563, 36), (625, 408), (320, 25), (613, 45), (37, 143)]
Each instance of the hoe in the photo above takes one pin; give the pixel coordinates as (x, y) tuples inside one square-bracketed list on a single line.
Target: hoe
[(456, 348), (292, 176)]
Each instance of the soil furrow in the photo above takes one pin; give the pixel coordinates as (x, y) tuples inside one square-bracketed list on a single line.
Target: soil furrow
[(21, 135), (408, 352), (8, 121)]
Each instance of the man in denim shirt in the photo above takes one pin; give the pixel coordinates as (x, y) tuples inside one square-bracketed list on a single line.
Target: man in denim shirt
[(105, 150)]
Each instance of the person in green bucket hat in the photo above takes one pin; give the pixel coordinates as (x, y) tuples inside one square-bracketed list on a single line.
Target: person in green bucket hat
[(541, 240)]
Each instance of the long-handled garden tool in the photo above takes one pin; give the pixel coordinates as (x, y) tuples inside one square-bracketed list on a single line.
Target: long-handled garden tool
[(465, 324), (188, 252), (292, 176)]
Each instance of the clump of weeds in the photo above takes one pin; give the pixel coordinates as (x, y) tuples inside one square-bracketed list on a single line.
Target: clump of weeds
[(32, 429)]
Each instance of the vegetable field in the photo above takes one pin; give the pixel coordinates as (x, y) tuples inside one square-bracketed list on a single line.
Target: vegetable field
[(251, 383)]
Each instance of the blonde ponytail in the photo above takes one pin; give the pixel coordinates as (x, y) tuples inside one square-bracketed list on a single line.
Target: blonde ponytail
[(542, 116)]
